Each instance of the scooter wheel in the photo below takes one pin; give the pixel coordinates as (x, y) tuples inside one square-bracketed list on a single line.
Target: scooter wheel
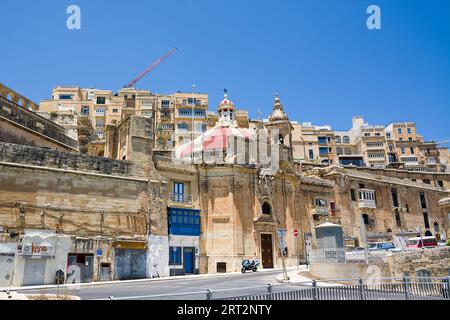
[(243, 270), (254, 269)]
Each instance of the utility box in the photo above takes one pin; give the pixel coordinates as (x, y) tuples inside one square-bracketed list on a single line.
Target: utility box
[(329, 236)]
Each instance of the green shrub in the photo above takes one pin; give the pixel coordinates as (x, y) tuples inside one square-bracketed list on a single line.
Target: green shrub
[(448, 243)]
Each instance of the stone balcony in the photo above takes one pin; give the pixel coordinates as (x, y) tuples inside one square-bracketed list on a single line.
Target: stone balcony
[(321, 210)]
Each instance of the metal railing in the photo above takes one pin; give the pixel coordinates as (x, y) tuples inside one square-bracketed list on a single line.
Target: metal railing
[(181, 198), (405, 288), (386, 289), (207, 294)]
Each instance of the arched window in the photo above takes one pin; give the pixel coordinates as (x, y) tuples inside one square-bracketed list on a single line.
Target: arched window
[(338, 139), (436, 226), (346, 139), (348, 151), (428, 233), (281, 139), (339, 151), (266, 209)]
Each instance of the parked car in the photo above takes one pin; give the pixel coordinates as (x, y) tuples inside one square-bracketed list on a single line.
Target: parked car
[(422, 242), (383, 246)]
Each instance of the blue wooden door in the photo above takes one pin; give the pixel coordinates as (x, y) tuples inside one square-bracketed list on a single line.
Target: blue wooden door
[(188, 260)]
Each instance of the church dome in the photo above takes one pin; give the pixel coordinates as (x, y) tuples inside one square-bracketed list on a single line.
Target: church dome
[(226, 104)]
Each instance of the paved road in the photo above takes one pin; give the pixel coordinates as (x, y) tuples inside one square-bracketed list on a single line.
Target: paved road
[(177, 286)]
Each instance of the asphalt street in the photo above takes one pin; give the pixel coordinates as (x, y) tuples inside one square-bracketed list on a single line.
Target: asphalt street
[(235, 285)]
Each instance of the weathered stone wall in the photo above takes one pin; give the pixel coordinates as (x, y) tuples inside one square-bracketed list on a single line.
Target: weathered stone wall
[(73, 203), (63, 160), (34, 122), (436, 260), (349, 270)]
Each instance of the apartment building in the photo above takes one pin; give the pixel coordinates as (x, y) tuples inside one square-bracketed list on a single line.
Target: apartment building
[(407, 141), (313, 143), (190, 116), (95, 108)]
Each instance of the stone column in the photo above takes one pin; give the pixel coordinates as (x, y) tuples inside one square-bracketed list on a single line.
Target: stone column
[(444, 205)]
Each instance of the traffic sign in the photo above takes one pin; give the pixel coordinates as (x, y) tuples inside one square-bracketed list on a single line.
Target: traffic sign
[(295, 233)]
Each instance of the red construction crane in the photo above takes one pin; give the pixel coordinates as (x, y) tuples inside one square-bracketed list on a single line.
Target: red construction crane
[(150, 68)]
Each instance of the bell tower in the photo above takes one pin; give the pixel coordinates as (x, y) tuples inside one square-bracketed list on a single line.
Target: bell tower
[(280, 128)]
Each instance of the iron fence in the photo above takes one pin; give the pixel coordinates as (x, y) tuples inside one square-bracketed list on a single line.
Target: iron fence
[(425, 288), (386, 289)]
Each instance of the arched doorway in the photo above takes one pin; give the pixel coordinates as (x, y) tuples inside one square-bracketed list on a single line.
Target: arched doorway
[(428, 233)]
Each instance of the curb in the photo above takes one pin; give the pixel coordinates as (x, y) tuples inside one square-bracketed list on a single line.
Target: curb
[(106, 283)]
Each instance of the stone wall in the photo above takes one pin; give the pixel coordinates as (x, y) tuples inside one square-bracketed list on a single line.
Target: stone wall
[(34, 122), (436, 260), (73, 203), (26, 155), (349, 270)]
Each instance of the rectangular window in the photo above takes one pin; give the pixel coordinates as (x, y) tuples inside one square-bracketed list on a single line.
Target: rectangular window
[(165, 103), (388, 135), (101, 100), (321, 202), (408, 130), (322, 140), (178, 188), (115, 110), (323, 151), (395, 198), (333, 208), (175, 255), (426, 221), (84, 110), (423, 201), (403, 150), (65, 97), (412, 150), (399, 130), (440, 183), (353, 194), (311, 154)]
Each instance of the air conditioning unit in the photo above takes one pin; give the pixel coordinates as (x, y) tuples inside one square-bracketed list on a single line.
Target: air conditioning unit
[(27, 249)]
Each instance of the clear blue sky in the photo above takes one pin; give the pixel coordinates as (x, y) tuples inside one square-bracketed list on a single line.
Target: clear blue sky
[(318, 55)]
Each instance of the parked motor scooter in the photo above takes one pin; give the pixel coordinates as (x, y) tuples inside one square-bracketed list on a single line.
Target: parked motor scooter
[(248, 265)]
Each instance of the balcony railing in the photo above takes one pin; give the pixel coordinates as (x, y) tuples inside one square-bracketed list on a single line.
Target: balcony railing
[(181, 198), (321, 210)]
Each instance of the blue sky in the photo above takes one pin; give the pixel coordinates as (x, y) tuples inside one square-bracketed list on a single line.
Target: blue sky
[(318, 55)]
